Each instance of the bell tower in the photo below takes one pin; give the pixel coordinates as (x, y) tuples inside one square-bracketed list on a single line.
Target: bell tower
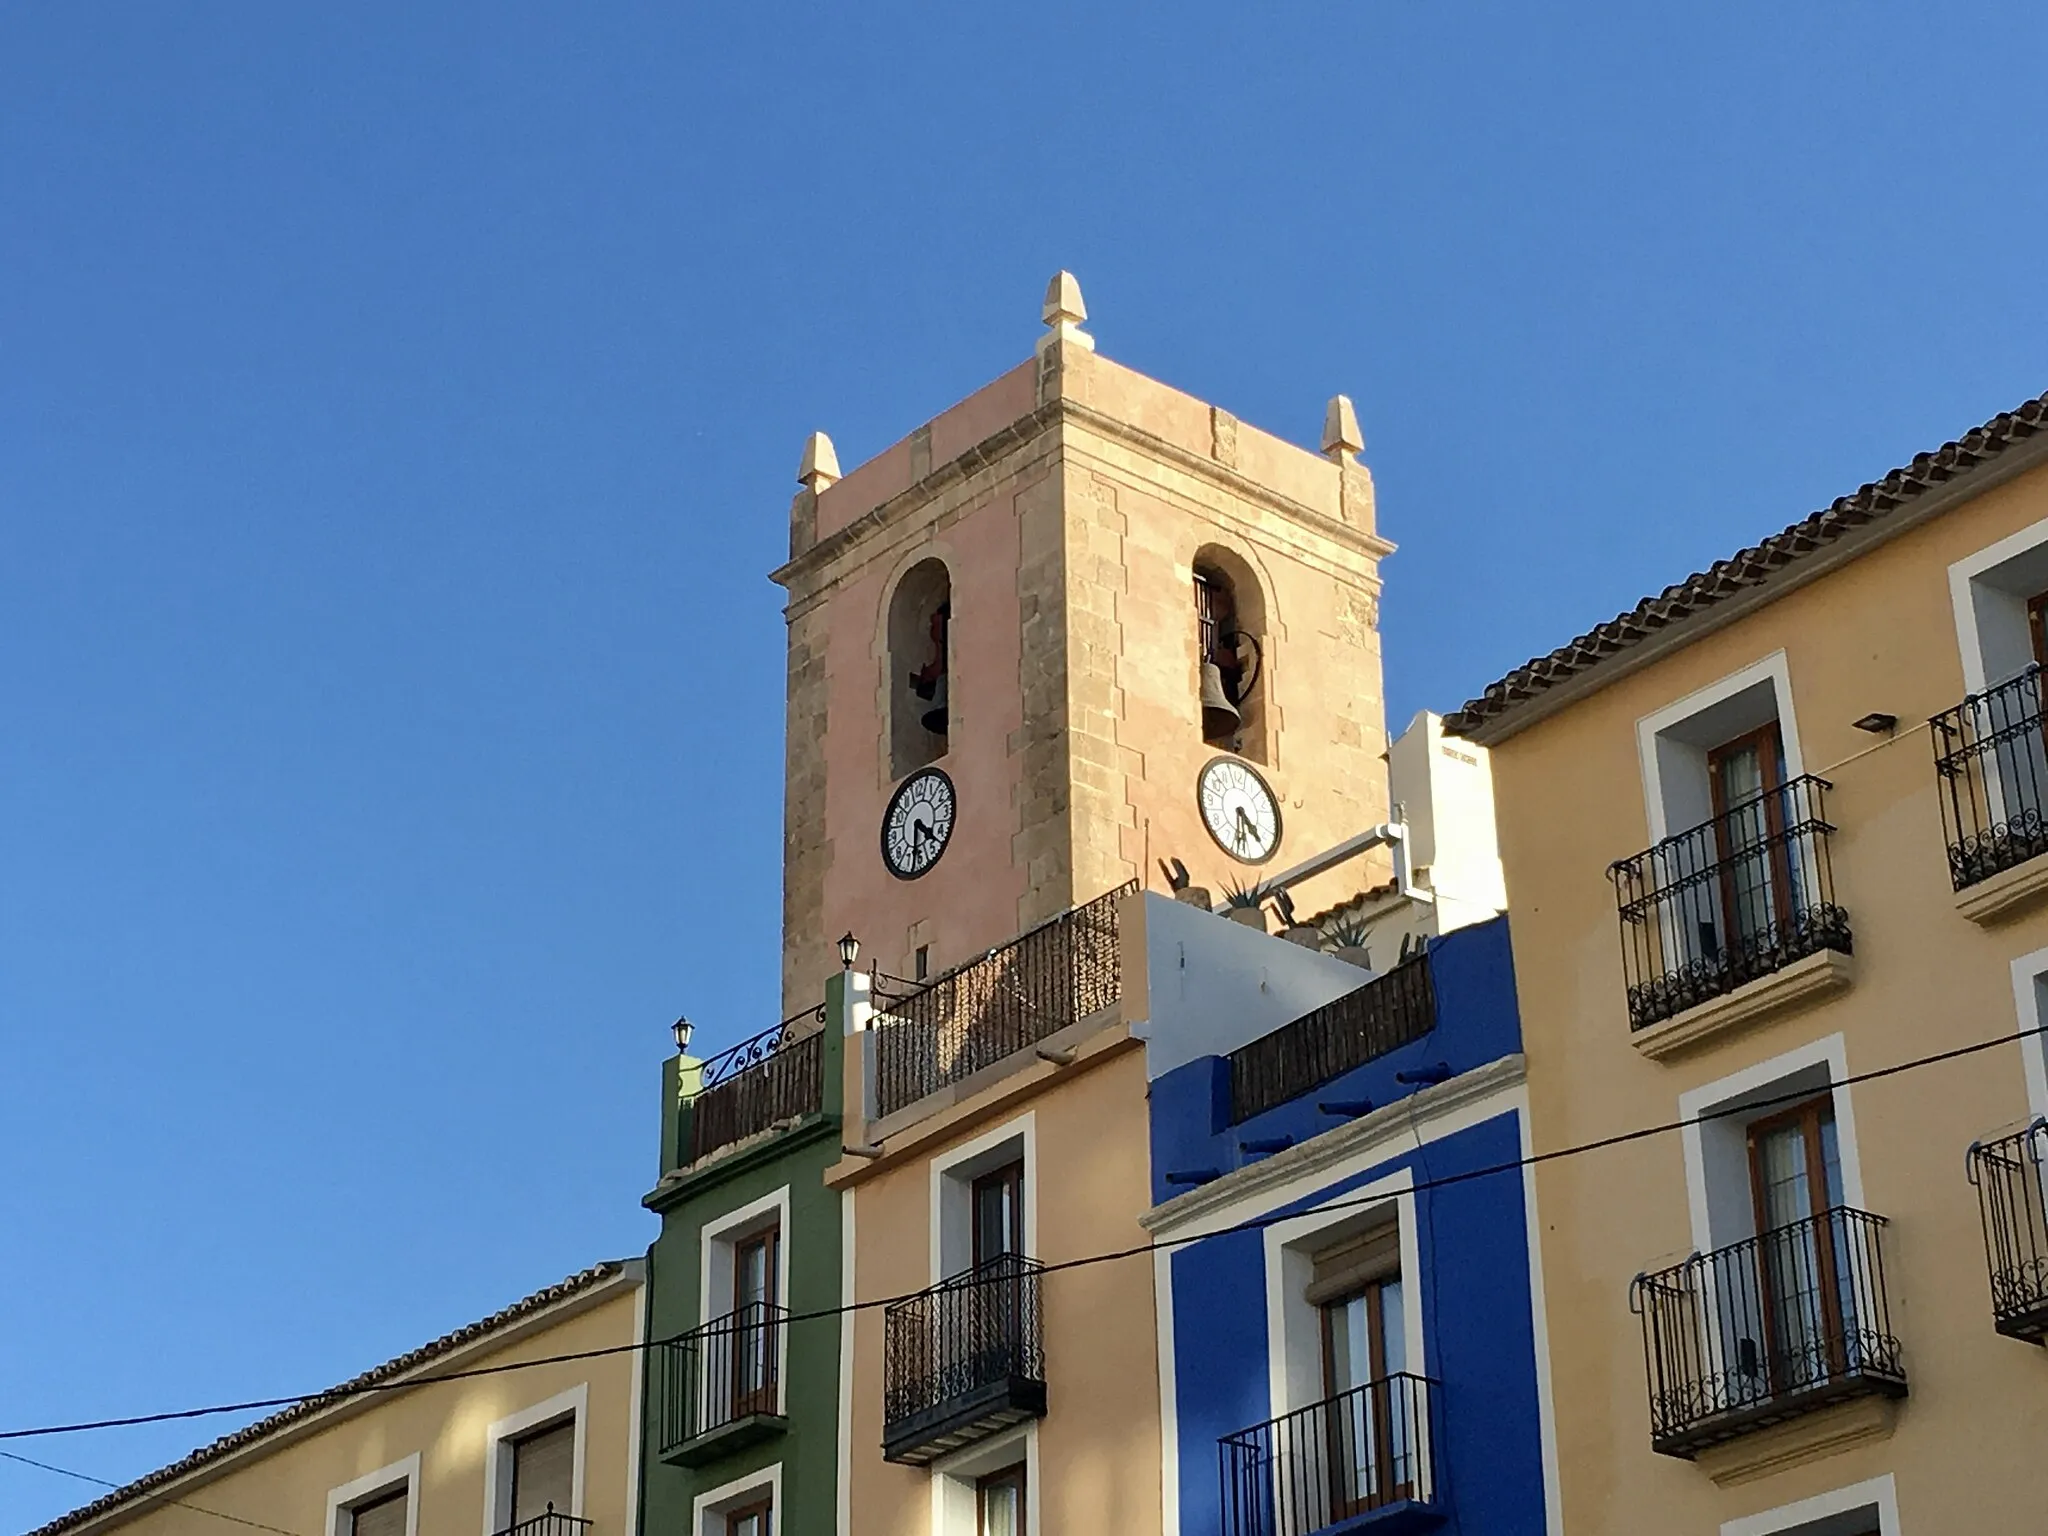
[(1077, 624)]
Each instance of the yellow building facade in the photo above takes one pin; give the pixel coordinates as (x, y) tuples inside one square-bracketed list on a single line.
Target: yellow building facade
[(1776, 832), (530, 1444)]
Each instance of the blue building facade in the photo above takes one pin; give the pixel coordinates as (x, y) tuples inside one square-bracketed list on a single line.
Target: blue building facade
[(1348, 1324)]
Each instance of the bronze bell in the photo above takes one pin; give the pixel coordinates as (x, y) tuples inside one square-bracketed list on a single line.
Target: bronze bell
[(934, 718), (1219, 715)]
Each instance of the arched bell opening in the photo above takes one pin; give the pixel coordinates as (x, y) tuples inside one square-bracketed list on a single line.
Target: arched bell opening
[(920, 716), (1231, 654)]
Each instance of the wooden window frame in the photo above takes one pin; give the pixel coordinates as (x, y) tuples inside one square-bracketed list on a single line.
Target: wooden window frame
[(763, 1396), (1010, 1175), (1768, 740), (1809, 1115), (1013, 1476), (764, 1507), (1346, 1500)]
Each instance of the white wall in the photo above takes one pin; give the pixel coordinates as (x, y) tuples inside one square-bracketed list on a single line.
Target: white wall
[(1445, 789), (1214, 985)]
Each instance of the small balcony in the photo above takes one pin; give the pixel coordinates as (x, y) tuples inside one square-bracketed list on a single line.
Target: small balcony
[(1386, 1013), (963, 1361), (1728, 902), (1360, 1461), (1767, 1329), (975, 1015), (773, 1079), (1992, 773), (722, 1386), (2013, 1202), (550, 1522)]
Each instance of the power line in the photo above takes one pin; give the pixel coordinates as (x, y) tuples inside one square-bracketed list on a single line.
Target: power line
[(197, 1509), (1155, 1245)]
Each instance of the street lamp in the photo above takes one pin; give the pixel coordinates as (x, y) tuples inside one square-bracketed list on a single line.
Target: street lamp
[(681, 1029), (849, 951)]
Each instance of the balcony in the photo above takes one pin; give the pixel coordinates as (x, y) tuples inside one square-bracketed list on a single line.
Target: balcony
[(975, 1015), (2013, 1201), (1728, 902), (1359, 1461), (550, 1522), (962, 1361), (1992, 774), (1767, 1329), (1387, 1012), (721, 1386), (774, 1078)]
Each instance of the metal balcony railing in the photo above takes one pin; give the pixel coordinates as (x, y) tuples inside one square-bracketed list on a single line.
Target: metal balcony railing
[(776, 1076), (1766, 1329), (1991, 768), (2012, 1199), (1728, 901), (1387, 1012), (723, 1375), (962, 1360), (550, 1522), (1332, 1461), (976, 1014)]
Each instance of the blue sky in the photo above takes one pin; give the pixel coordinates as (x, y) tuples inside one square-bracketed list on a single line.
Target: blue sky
[(399, 407)]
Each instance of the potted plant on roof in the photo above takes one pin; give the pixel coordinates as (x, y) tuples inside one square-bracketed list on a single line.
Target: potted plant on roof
[(1245, 904), (1346, 939)]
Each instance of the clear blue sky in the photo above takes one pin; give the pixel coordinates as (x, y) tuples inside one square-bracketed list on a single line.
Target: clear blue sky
[(399, 408)]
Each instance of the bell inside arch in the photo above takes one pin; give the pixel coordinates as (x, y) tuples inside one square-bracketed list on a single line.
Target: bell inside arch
[(934, 717), (1219, 714)]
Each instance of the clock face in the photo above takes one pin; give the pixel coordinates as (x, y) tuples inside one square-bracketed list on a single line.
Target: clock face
[(1239, 810), (918, 823)]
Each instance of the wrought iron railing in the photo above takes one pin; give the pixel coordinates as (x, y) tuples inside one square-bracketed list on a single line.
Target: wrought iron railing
[(726, 1371), (550, 1522), (776, 1076), (1728, 901), (979, 1330), (1387, 1012), (1010, 999), (1327, 1463), (2012, 1199), (1767, 1328), (1991, 768)]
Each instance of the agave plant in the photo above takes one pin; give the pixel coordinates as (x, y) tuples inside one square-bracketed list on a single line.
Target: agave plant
[(1345, 934), (1246, 897)]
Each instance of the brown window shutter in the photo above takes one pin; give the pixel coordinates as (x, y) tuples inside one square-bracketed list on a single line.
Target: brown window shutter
[(544, 1472), (382, 1516), (1355, 1262)]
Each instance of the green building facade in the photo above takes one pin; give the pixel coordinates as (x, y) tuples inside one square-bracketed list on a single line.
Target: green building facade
[(742, 1402)]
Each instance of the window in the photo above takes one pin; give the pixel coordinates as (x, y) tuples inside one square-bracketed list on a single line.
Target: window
[(998, 1201), (383, 1515), (999, 1503), (753, 1520), (1369, 1426), (1230, 654), (1808, 1294), (755, 1285), (920, 707), (544, 1474), (1747, 780), (746, 1506)]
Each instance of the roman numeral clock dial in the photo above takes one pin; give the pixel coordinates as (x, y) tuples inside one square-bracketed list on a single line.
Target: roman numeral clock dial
[(918, 824), (1239, 809)]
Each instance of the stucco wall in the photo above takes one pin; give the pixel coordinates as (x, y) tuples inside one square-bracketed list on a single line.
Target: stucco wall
[(1875, 635), (286, 1486)]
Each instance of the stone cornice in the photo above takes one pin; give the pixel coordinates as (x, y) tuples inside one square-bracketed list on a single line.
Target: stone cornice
[(800, 569), (1388, 1124)]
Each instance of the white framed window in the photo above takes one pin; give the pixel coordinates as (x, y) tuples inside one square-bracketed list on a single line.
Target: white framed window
[(533, 1464), (747, 1506), (1348, 1387), (2030, 1006), (744, 1283), (1999, 595), (380, 1503), (1691, 749), (990, 1489), (1865, 1509), (984, 1199)]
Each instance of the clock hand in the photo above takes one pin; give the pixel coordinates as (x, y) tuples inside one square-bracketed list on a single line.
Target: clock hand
[(1246, 832)]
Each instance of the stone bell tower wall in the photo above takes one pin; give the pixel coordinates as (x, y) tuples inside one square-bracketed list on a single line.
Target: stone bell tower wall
[(1069, 501)]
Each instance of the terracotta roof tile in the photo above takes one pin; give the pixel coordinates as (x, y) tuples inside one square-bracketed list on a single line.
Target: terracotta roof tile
[(390, 1370), (1750, 568)]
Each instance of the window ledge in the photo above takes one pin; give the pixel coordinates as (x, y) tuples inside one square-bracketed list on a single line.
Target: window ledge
[(1797, 985), (2005, 894), (1763, 1452)]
